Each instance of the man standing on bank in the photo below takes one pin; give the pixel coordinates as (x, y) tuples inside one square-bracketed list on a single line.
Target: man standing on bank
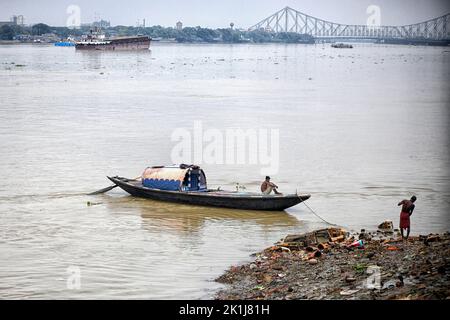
[(267, 187), (407, 210)]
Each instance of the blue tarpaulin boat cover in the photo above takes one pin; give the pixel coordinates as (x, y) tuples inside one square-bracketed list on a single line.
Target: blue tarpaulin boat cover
[(174, 178)]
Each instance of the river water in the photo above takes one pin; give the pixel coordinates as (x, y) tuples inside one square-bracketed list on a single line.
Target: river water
[(359, 129)]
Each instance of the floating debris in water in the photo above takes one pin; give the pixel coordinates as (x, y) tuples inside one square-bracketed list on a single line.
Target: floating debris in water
[(89, 203)]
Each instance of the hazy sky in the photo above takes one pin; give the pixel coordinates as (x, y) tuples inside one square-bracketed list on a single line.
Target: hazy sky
[(215, 13)]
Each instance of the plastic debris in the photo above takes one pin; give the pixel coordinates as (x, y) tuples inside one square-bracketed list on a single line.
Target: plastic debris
[(356, 244)]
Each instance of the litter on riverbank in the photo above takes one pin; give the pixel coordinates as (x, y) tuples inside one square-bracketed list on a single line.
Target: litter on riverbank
[(335, 264)]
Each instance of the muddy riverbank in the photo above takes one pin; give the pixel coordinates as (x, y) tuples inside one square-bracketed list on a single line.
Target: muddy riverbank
[(384, 267)]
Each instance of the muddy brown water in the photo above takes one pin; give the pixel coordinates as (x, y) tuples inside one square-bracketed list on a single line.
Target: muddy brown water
[(359, 129)]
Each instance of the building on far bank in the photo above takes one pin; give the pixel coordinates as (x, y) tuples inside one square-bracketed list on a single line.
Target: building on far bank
[(179, 26), (23, 37), (18, 20), (14, 21), (46, 38)]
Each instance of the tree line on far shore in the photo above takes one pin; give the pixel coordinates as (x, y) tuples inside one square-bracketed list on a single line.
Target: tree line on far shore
[(187, 34)]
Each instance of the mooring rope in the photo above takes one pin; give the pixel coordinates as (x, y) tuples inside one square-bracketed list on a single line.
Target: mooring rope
[(313, 212)]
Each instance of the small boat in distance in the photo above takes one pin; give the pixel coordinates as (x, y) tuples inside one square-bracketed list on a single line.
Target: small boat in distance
[(64, 44), (69, 42), (187, 184), (342, 46), (96, 40)]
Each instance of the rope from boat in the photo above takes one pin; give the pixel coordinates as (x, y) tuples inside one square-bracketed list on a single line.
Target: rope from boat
[(313, 212)]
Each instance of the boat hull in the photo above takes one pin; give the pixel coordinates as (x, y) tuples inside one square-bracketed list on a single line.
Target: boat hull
[(214, 198), (137, 43)]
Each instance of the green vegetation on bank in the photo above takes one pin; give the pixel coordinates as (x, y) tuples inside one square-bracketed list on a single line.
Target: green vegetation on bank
[(187, 34)]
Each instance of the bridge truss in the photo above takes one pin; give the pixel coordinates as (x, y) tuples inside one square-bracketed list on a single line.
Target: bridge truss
[(291, 20)]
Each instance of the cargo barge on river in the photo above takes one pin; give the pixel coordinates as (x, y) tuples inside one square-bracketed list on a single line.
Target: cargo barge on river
[(96, 40)]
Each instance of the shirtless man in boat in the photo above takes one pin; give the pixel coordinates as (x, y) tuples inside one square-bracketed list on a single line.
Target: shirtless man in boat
[(267, 187), (407, 210)]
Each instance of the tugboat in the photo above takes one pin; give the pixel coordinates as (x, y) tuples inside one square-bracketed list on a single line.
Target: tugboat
[(187, 184), (96, 40)]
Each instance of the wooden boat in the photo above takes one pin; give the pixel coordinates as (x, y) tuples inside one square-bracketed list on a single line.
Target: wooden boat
[(187, 184)]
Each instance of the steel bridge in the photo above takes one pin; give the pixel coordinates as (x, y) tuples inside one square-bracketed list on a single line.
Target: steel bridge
[(291, 20)]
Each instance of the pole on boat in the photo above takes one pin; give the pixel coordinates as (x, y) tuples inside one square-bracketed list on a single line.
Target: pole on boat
[(102, 190), (111, 187)]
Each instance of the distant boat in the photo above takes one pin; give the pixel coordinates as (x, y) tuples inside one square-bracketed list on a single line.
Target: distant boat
[(187, 184), (342, 46), (96, 40), (64, 44)]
